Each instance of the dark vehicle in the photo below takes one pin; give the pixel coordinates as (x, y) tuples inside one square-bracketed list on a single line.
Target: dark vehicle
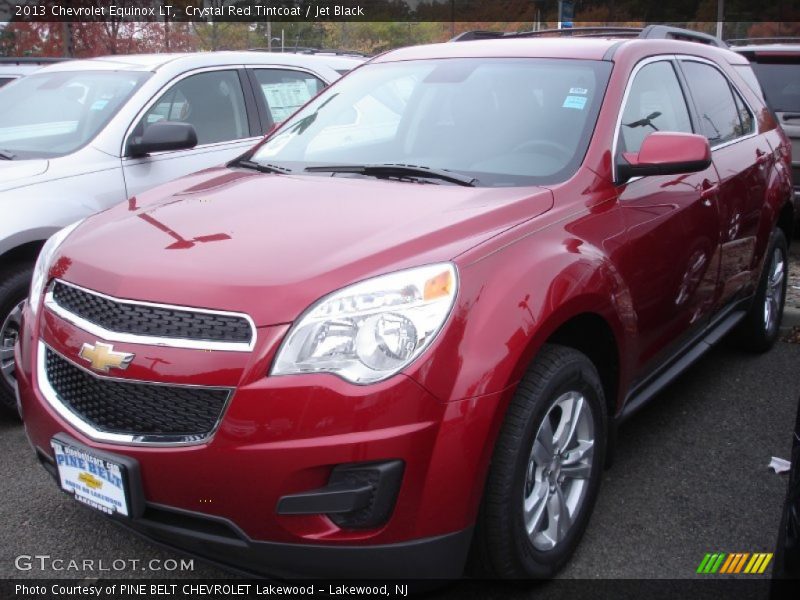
[(787, 554), (776, 64)]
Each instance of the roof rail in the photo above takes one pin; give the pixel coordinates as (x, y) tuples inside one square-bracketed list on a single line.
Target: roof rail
[(570, 32), (31, 60), (307, 50), (763, 40), (651, 32), (663, 32)]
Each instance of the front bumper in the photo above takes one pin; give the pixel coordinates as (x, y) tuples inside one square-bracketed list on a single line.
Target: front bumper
[(286, 435)]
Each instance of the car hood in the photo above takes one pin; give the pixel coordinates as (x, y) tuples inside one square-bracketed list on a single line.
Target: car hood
[(270, 245), (11, 171)]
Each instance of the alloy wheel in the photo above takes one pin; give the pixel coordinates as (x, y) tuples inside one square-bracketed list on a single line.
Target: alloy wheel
[(9, 332), (558, 470), (773, 297)]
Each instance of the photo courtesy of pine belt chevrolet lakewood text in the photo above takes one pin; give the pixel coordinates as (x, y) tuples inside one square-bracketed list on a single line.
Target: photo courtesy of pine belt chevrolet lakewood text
[(397, 337)]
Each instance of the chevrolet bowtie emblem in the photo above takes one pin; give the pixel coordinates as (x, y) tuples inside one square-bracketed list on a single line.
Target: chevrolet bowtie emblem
[(102, 357), (90, 480)]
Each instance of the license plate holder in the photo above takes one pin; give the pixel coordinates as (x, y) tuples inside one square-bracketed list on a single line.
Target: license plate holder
[(109, 483)]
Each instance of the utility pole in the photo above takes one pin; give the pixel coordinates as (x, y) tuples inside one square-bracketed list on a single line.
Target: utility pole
[(269, 34), (720, 17), (66, 32)]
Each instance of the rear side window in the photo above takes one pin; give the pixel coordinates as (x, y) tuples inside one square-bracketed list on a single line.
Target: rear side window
[(746, 120), (655, 103), (5, 80), (719, 117), (746, 72), (781, 84), (284, 91)]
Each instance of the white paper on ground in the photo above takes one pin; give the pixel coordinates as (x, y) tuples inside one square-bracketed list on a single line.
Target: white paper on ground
[(779, 465)]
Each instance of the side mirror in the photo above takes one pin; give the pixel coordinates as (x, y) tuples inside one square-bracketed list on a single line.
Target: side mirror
[(163, 136), (666, 153)]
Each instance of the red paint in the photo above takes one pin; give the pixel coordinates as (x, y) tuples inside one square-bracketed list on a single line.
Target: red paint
[(652, 258)]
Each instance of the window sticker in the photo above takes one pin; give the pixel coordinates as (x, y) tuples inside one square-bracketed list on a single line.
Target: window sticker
[(98, 105), (284, 98), (578, 90), (578, 102)]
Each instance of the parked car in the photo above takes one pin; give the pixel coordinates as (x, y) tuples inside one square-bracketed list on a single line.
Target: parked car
[(79, 137), (364, 358), (787, 552), (12, 68), (776, 64)]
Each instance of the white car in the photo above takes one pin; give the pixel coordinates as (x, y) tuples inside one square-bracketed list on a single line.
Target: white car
[(12, 68), (79, 136)]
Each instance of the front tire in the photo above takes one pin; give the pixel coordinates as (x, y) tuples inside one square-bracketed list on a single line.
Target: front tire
[(759, 330), (14, 284), (546, 469)]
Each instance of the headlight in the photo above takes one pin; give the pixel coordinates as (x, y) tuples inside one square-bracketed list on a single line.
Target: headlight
[(371, 330), (42, 268)]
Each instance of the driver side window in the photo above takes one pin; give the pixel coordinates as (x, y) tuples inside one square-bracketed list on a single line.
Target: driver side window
[(212, 102), (655, 103)]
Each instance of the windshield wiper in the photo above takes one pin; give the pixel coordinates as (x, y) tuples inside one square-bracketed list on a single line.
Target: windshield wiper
[(6, 155), (397, 170), (261, 167)]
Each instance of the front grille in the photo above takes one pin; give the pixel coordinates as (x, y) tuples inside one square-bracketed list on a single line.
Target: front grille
[(154, 321), (133, 408)]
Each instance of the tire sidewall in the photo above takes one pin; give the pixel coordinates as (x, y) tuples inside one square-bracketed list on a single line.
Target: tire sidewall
[(577, 376), (17, 283), (777, 242)]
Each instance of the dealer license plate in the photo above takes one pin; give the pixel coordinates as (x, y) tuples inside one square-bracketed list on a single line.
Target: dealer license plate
[(92, 480)]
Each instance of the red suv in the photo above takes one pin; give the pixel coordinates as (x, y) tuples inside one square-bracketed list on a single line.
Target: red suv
[(407, 324)]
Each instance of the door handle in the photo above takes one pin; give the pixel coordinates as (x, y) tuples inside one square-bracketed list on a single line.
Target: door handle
[(791, 117), (708, 193)]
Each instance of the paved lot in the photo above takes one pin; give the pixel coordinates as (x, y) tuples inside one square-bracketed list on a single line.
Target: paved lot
[(690, 478)]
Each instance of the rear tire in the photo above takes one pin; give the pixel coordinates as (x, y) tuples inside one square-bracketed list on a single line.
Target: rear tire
[(759, 330), (14, 285), (521, 530)]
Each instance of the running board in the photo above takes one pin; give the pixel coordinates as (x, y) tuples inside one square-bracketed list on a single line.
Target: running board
[(638, 398)]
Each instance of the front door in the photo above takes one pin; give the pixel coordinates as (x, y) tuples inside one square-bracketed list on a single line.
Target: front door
[(671, 257), (213, 103)]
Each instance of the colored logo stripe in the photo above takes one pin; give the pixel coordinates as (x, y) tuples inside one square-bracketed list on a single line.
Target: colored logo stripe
[(735, 563)]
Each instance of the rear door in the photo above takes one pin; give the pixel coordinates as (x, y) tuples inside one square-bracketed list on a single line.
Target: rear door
[(743, 160), (671, 256), (215, 103)]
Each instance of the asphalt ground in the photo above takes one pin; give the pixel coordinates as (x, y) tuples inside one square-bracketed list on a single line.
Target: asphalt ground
[(690, 477)]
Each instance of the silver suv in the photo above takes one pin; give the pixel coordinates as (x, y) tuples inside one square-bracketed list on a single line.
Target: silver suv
[(80, 136)]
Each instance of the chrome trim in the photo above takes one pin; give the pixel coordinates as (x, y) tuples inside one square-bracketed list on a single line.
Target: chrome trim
[(675, 58), (641, 64), (132, 338), (73, 419)]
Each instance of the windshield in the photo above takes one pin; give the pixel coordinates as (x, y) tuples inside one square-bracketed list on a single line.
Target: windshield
[(52, 114), (504, 122), (781, 85)]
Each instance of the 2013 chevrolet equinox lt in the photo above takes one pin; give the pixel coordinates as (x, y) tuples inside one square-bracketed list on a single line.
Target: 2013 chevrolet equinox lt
[(403, 328)]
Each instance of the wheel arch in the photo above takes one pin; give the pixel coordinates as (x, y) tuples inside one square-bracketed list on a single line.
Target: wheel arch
[(24, 246), (786, 220)]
